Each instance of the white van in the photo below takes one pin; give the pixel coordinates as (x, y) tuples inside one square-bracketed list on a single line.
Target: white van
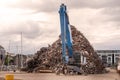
[(118, 67)]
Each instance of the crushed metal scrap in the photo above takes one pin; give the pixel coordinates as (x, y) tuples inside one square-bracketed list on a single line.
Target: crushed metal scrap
[(47, 58)]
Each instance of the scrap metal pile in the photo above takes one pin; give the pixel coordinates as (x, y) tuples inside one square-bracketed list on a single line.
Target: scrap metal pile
[(51, 56)]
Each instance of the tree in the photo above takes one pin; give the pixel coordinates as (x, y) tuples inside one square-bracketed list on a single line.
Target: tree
[(7, 60)]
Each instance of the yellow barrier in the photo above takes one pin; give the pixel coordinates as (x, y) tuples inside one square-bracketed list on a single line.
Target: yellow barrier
[(9, 77)]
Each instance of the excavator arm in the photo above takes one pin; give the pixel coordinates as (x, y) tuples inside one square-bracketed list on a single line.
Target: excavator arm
[(66, 36)]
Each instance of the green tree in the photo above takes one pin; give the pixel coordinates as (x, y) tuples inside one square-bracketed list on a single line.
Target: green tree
[(7, 60)]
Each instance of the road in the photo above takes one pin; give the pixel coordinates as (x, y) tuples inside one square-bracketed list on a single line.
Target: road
[(112, 75)]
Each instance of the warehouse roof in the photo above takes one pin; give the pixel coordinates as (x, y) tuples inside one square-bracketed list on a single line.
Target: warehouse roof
[(108, 51)]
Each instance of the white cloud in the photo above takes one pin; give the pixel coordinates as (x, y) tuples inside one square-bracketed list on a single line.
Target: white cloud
[(39, 22)]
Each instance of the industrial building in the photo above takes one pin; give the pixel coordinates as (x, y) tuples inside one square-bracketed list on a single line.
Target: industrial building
[(20, 60), (109, 57), (2, 55)]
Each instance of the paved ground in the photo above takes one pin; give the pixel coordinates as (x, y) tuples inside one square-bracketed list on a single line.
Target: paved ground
[(112, 75)]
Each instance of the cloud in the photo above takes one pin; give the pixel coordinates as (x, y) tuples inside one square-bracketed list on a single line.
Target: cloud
[(102, 32), (35, 35), (38, 20), (113, 14), (30, 29), (112, 43), (52, 5), (93, 3), (37, 5)]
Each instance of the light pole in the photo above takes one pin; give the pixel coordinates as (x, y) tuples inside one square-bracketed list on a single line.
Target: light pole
[(21, 52)]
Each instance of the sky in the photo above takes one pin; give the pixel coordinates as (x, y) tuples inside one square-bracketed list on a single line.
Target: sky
[(38, 20)]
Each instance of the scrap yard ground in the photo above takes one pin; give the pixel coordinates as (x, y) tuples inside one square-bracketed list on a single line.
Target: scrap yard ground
[(112, 75)]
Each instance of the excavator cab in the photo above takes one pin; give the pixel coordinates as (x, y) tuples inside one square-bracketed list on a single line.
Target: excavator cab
[(74, 64)]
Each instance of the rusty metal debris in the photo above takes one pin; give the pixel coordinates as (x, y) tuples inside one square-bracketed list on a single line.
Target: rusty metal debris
[(47, 58)]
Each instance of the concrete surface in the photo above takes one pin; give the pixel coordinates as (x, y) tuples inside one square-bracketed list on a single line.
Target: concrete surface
[(112, 75)]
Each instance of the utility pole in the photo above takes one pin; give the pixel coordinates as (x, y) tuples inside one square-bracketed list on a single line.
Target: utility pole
[(8, 53), (21, 52), (17, 57)]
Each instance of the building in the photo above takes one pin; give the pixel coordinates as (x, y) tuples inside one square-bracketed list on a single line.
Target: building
[(2, 55), (20, 60), (109, 57)]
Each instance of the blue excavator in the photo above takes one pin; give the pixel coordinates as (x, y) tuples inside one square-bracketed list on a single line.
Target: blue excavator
[(66, 38)]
